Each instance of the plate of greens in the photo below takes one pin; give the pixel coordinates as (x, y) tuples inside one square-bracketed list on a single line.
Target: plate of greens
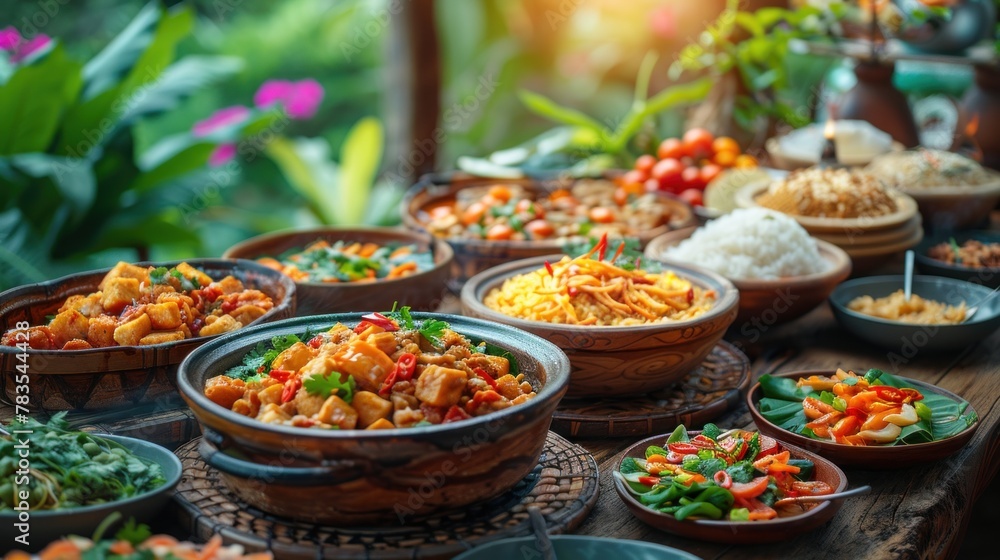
[(873, 419), (74, 480)]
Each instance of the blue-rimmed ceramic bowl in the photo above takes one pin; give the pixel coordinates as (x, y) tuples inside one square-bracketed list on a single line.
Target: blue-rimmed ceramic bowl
[(989, 277), (576, 547)]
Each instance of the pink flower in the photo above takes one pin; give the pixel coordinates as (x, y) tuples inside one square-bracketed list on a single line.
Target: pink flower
[(10, 37), (222, 118), (663, 21), (35, 44), (299, 99), (222, 154)]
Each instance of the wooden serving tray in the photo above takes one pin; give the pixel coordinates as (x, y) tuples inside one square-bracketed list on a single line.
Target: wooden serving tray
[(716, 386), (564, 486)]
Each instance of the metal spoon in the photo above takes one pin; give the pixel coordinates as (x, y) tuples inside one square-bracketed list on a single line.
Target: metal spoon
[(969, 313), (541, 533), (836, 496), (908, 277)]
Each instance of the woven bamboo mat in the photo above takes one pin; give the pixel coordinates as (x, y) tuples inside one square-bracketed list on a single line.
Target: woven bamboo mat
[(564, 486)]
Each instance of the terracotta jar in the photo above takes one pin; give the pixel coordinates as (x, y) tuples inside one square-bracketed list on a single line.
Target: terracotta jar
[(876, 100), (982, 103)]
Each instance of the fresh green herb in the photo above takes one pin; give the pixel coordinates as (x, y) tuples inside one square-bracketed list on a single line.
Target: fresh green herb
[(873, 375), (158, 275), (257, 362), (133, 532), (753, 447), (739, 514), (806, 468), (494, 350), (630, 465), (655, 450), (187, 284), (711, 431), (708, 467), (679, 434), (402, 317), (330, 384), (433, 330), (955, 249), (742, 472)]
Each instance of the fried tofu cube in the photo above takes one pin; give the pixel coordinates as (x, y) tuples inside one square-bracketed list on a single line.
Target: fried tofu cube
[(229, 285), (381, 424), (89, 305), (223, 324), (496, 366), (370, 408), (39, 338), (367, 364), (224, 390), (130, 333), (293, 358), (101, 331), (118, 293), (125, 270), (193, 274), (271, 395), (165, 316), (77, 344), (509, 387), (272, 414), (161, 337), (68, 325), (308, 404), (247, 314), (440, 386), (338, 413)]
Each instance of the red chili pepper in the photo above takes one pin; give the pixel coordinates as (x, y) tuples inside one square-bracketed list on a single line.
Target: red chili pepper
[(888, 393), (280, 374), (389, 381), (856, 412), (735, 447), (573, 291), (649, 480), (683, 448), (230, 304), (362, 327), (690, 295), (486, 377), (912, 394), (316, 341), (292, 386), (548, 267), (602, 246), (482, 397), (618, 252), (406, 364), (454, 414), (723, 479), (380, 320)]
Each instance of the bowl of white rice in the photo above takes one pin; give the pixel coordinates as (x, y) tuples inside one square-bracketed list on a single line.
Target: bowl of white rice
[(780, 271)]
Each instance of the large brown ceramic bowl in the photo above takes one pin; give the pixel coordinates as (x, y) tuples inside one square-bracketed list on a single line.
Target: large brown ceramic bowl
[(390, 476), (881, 457), (118, 376), (947, 208), (476, 255), (773, 302), (421, 291), (614, 361), (738, 532)]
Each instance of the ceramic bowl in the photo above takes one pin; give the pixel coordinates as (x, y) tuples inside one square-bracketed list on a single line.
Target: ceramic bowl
[(734, 532), (781, 159), (909, 338), (48, 526), (117, 376), (989, 277), (774, 301), (422, 291), (948, 208), (476, 255), (576, 547), (374, 477), (616, 361), (881, 457)]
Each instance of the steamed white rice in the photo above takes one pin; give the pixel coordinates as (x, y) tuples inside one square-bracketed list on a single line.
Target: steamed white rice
[(754, 243)]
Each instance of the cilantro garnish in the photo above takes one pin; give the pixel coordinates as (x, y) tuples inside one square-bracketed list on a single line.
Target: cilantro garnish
[(258, 361), (187, 284), (330, 384), (402, 317), (431, 329), (133, 532), (158, 275)]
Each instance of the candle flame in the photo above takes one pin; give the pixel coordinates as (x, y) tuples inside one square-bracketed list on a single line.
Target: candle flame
[(830, 129), (972, 127)]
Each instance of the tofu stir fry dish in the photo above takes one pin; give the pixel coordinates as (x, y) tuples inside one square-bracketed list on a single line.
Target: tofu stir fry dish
[(388, 372)]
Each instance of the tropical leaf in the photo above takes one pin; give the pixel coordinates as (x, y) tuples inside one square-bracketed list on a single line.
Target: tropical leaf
[(360, 157), (106, 68), (670, 98), (34, 100), (548, 108)]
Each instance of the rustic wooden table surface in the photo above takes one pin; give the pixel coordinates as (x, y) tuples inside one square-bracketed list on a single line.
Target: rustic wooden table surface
[(912, 512)]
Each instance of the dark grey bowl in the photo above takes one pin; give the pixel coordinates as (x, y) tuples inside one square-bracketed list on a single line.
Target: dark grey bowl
[(908, 339), (576, 547), (47, 526), (989, 277)]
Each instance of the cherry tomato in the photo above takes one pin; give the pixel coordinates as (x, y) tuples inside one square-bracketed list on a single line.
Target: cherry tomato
[(692, 178), (528, 207), (694, 197), (539, 229), (649, 480), (499, 232), (668, 173), (602, 215), (725, 158), (698, 142), (500, 192), (725, 144), (710, 172), (645, 163), (473, 213), (635, 176), (652, 185), (670, 148), (683, 448), (768, 446), (744, 161)]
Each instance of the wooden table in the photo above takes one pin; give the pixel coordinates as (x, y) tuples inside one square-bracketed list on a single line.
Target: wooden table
[(915, 512)]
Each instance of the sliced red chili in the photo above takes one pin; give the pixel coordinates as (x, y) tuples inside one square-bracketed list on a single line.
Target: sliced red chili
[(649, 480), (406, 364), (912, 394), (888, 393), (548, 266), (683, 448), (362, 327), (486, 377), (280, 374), (573, 291), (316, 341), (292, 387), (454, 414), (856, 412), (723, 479), (690, 295), (618, 252), (602, 246), (380, 320)]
